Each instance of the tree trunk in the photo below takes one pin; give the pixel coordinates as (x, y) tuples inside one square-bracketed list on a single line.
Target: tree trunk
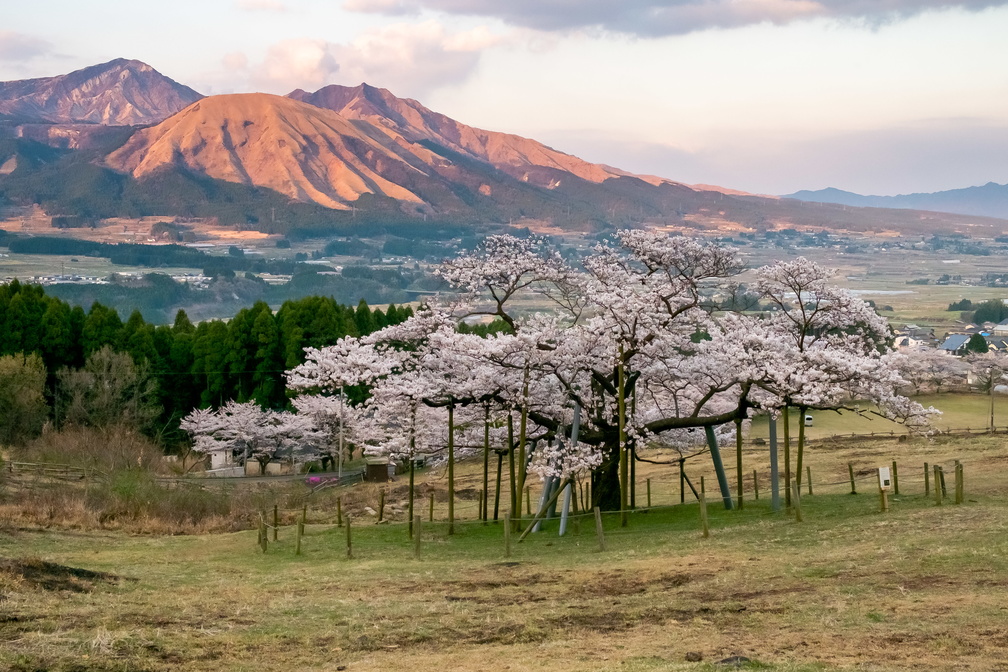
[(605, 479)]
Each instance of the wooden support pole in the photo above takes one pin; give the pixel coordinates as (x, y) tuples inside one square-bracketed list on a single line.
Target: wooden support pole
[(682, 482), (796, 500), (263, 540), (927, 480), (599, 532), (381, 506), (704, 524), (941, 478), (507, 534), (883, 498), (703, 487), (349, 541), (649, 493), (738, 463), (937, 485), (959, 494), (297, 542), (544, 509), (850, 470), (416, 536), (451, 468), (808, 472), (895, 479), (528, 501), (339, 512), (431, 517), (276, 521), (755, 484), (500, 462)]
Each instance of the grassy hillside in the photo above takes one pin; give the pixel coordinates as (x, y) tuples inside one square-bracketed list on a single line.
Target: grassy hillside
[(849, 588)]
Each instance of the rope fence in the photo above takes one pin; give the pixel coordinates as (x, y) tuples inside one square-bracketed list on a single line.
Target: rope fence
[(425, 525)]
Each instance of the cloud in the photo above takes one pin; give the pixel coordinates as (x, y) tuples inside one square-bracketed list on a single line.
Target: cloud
[(294, 64), (408, 59), (922, 157), (657, 18), (261, 5), (21, 47)]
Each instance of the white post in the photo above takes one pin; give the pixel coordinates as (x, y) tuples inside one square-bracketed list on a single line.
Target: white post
[(566, 509)]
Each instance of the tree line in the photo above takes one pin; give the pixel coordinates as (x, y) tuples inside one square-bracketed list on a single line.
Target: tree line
[(193, 365)]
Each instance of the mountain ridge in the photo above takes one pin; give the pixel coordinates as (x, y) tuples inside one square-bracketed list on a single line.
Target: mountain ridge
[(988, 200), (121, 92)]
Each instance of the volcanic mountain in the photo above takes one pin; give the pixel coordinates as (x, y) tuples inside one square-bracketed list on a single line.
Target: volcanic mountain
[(372, 144), (404, 117), (120, 93)]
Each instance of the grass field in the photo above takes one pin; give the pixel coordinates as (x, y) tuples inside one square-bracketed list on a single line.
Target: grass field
[(959, 412), (850, 588)]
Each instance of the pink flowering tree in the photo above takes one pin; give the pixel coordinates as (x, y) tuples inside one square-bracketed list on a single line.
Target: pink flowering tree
[(248, 431), (632, 340)]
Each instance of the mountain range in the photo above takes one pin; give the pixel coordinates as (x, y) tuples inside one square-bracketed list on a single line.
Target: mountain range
[(989, 200), (121, 139)]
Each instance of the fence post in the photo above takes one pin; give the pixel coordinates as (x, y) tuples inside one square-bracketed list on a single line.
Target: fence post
[(276, 521), (937, 485), (895, 479), (883, 499), (808, 473), (649, 493), (263, 540), (850, 470), (349, 542), (298, 533), (755, 485), (927, 480), (432, 506), (381, 506), (416, 536), (705, 526), (599, 532), (941, 477), (528, 501), (959, 483), (339, 512)]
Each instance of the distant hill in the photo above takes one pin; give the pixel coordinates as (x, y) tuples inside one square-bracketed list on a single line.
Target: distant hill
[(989, 200), (118, 93)]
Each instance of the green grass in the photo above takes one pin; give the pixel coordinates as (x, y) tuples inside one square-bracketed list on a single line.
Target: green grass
[(959, 412)]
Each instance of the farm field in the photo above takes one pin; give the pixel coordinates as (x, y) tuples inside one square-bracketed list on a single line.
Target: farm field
[(850, 588)]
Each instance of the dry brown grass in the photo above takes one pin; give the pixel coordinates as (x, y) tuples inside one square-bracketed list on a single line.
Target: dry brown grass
[(922, 587)]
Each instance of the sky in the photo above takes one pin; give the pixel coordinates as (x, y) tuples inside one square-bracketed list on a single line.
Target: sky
[(766, 96)]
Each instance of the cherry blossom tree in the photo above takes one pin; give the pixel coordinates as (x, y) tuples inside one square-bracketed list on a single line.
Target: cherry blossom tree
[(246, 430), (932, 369), (631, 340)]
